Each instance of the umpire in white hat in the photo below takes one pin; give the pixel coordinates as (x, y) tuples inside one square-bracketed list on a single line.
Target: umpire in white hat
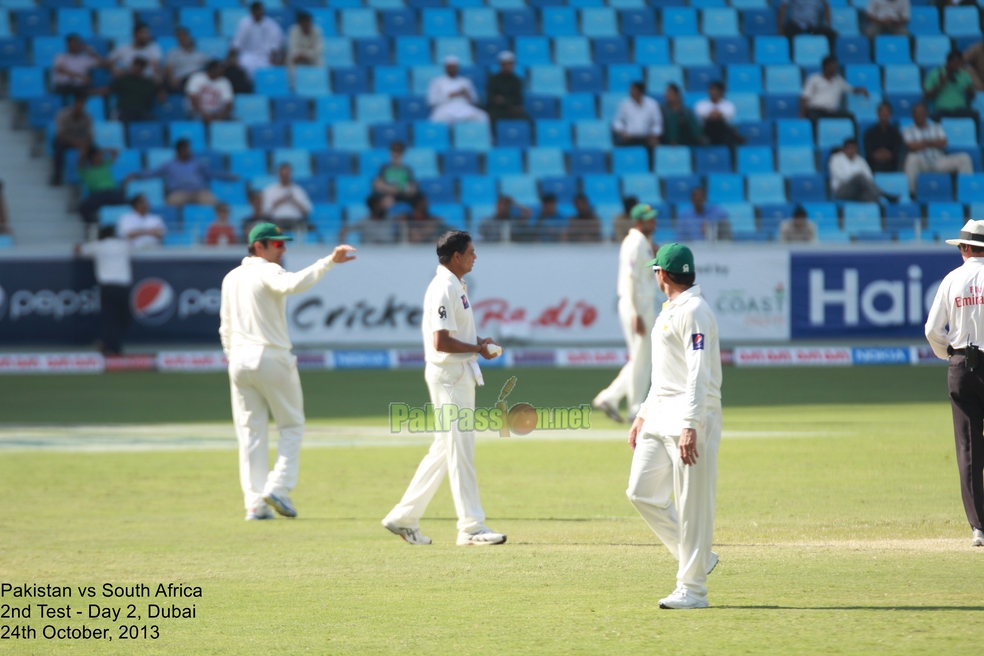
[(955, 329)]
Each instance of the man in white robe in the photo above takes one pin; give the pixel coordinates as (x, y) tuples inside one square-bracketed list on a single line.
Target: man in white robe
[(452, 97), (259, 40)]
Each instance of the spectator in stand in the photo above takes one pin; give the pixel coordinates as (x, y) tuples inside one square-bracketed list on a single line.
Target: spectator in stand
[(585, 226), (186, 178), (182, 61), (143, 47), (824, 92), (73, 129), (421, 226), (452, 97), (883, 143), (258, 215), (221, 232), (135, 93), (504, 92), (851, 178), (141, 228), (286, 202), (951, 89), (259, 40), (236, 74), (114, 274), (974, 63), (377, 227), (72, 70), (96, 172), (718, 115), (305, 42), (702, 220), (623, 222), (925, 141), (209, 94), (509, 218), (806, 17), (798, 229), (549, 224), (638, 121), (887, 17), (395, 179), (680, 125)]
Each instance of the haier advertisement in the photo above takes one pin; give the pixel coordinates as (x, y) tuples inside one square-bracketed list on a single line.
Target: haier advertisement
[(865, 294)]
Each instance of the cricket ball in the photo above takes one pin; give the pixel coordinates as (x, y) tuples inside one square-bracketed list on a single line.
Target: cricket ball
[(522, 418)]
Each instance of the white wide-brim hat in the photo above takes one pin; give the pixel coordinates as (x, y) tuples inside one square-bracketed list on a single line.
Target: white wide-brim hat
[(971, 234)]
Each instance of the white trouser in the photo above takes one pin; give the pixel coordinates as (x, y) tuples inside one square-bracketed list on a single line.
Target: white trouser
[(632, 382), (265, 381), (452, 453), (915, 164), (254, 61), (458, 110), (686, 524)]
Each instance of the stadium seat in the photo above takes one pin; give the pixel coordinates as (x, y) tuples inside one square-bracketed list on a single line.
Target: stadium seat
[(931, 50), (413, 51), (864, 109), (731, 50), (398, 22), (808, 188), (756, 133), (678, 187), (563, 187), (578, 106), (193, 131), (431, 135), (725, 188), (587, 161), (794, 132), (598, 21), (892, 50), (632, 22), (970, 189), (867, 76), (350, 136), (518, 22), (894, 183), (487, 50), (412, 108), (25, 82), (649, 50), (248, 163), (267, 136), (586, 79), (699, 77), (592, 134), (831, 132), (548, 80), (959, 21), (373, 108), (902, 79), (479, 22), (453, 46), (478, 189), (610, 50), (352, 189), (553, 133), (152, 188), (311, 81), (251, 109), (759, 22), (540, 106), (719, 22), (766, 188), (796, 160), (312, 135), (781, 106), (143, 135), (745, 78), (644, 187), (782, 79), (513, 134), (627, 161), (853, 50), (373, 51), (572, 51), (227, 136), (503, 161), (862, 217), (291, 109), (771, 50), (332, 163), (712, 159), (844, 21), (438, 190), (460, 162), (658, 76), (680, 21), (934, 187), (383, 134), (332, 109), (960, 132), (349, 80), (358, 23), (521, 188), (472, 136), (691, 51), (338, 51), (533, 51), (810, 50), (755, 159), (601, 189), (32, 22)]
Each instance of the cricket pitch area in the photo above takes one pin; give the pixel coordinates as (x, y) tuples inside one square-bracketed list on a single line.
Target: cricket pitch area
[(839, 523)]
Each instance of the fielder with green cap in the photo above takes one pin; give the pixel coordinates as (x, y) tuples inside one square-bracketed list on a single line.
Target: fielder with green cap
[(636, 312), (677, 432), (262, 371)]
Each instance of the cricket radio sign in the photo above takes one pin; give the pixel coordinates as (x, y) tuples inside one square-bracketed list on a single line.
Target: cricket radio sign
[(519, 419)]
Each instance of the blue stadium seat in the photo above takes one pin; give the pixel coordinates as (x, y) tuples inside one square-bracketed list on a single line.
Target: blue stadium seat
[(588, 161), (725, 188), (970, 188), (766, 188), (193, 131), (563, 187), (513, 134), (248, 163), (333, 163), (326, 19), (316, 187), (586, 79), (199, 21), (533, 50), (731, 50), (460, 162), (160, 21), (398, 22), (272, 82), (755, 159), (32, 22), (934, 187), (844, 21), (642, 186), (796, 160), (13, 52), (592, 134), (352, 189), (892, 50), (227, 136), (431, 135), (902, 79), (472, 136), (756, 133), (924, 21), (25, 82), (109, 134), (782, 79), (831, 132), (572, 51), (894, 183), (548, 80), (373, 108), (522, 188), (331, 109), (267, 136), (413, 51), (41, 111), (598, 21), (678, 187), (610, 50), (503, 161), (810, 50), (781, 106), (601, 190), (691, 51), (142, 135), (152, 188), (115, 23), (372, 51), (931, 50), (545, 162), (774, 212), (479, 22), (853, 50), (759, 22), (902, 216), (552, 133), (478, 189), (291, 109), (487, 50), (699, 77), (658, 76), (680, 21), (712, 159), (634, 22), (578, 106), (862, 217), (867, 76), (771, 50), (251, 108), (720, 22), (358, 23), (620, 76), (213, 47), (672, 160), (350, 81), (959, 21), (349, 135), (453, 46), (518, 22), (383, 134), (745, 78), (77, 21), (540, 106), (747, 106), (559, 21), (651, 50), (438, 190), (338, 51), (960, 132), (794, 132), (312, 135), (809, 188), (311, 81), (627, 161)]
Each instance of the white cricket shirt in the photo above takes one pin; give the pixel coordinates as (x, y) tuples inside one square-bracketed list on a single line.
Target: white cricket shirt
[(959, 302), (254, 301), (636, 281), (446, 307), (686, 381), (112, 260)]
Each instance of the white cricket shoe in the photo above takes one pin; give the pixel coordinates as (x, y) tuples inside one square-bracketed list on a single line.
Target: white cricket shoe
[(281, 503), (714, 559), (481, 536), (682, 600), (259, 512), (978, 538), (608, 409), (411, 535)]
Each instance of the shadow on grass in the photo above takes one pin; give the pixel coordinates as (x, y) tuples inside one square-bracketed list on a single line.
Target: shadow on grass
[(890, 608)]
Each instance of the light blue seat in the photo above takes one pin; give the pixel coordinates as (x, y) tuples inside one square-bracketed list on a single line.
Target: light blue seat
[(651, 50), (659, 75), (298, 158), (115, 23), (111, 214), (229, 18), (643, 186), (620, 76), (862, 217), (521, 188), (152, 188), (831, 132), (352, 189), (479, 22), (755, 159), (628, 161), (109, 134), (338, 51), (332, 109), (844, 20), (248, 163), (745, 78), (601, 189), (765, 188), (431, 135), (359, 23), (503, 161), (794, 132), (771, 50), (251, 109), (312, 135), (548, 80), (453, 46), (374, 108), (350, 135), (796, 160), (78, 21), (227, 136), (960, 132), (326, 19), (931, 50), (680, 21), (545, 161), (311, 81), (924, 21), (962, 21), (413, 51), (691, 51), (598, 21), (578, 107), (572, 51), (725, 188), (892, 50), (783, 79), (609, 105), (193, 131), (866, 76), (553, 134), (439, 22), (592, 134), (156, 157), (26, 82), (421, 77), (902, 79), (720, 22), (970, 188), (46, 48), (748, 106), (271, 82), (127, 162), (471, 136), (864, 109), (894, 183), (200, 21), (423, 161), (533, 50), (740, 215), (370, 161), (977, 209), (391, 80), (810, 50), (213, 47), (559, 21), (479, 190), (673, 160)]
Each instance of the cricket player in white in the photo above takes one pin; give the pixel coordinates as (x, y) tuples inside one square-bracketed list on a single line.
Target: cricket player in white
[(262, 371), (451, 349), (637, 312), (677, 432)]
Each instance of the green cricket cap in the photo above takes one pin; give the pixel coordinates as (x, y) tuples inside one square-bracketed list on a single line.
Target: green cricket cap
[(642, 212), (264, 231), (673, 258)]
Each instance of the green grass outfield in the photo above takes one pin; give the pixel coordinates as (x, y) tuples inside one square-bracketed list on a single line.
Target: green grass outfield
[(839, 523)]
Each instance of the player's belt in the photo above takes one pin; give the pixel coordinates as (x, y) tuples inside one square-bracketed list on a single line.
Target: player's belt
[(952, 351)]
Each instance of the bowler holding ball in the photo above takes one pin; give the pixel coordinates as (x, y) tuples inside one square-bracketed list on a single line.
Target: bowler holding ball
[(451, 350)]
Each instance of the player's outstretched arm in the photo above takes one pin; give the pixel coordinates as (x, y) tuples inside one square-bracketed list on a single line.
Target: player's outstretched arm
[(342, 253)]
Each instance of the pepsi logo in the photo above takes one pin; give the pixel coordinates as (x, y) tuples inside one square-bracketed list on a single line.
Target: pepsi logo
[(152, 301)]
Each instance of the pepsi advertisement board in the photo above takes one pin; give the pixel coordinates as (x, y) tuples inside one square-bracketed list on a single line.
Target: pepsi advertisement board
[(865, 294), (57, 301)]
